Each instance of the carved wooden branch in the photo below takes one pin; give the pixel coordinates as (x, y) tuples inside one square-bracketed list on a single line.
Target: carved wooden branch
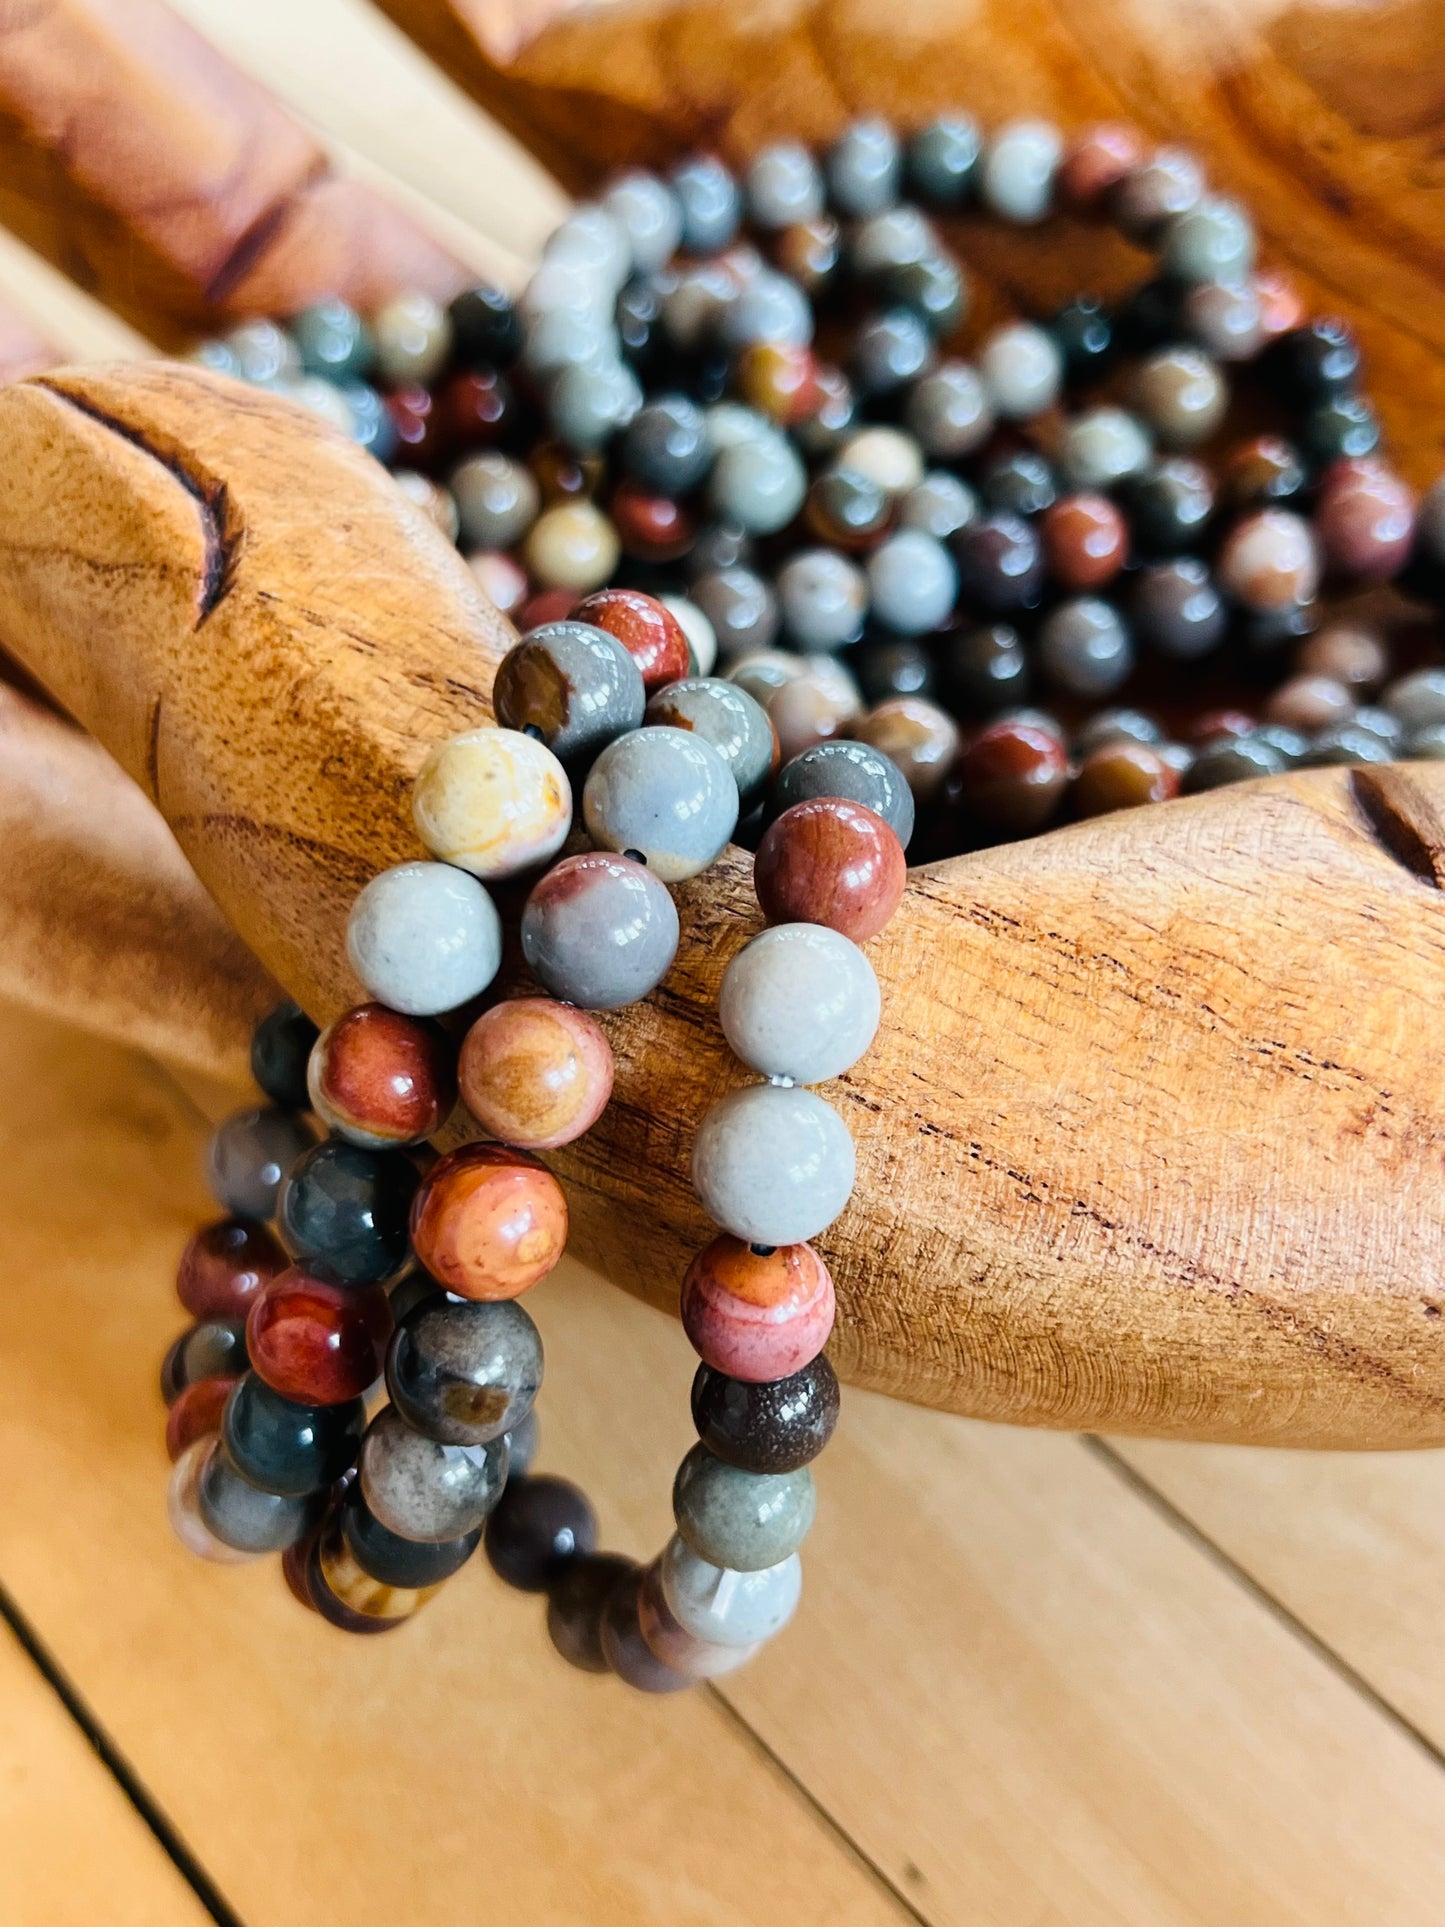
[(1151, 1139)]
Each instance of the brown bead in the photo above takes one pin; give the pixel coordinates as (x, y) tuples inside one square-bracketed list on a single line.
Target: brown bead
[(1264, 469), (849, 510), (1121, 776), (650, 633), (1365, 518), (1012, 776), (809, 251), (780, 380), (1356, 657), (921, 738), (1310, 702), (1096, 161), (812, 707), (833, 862), (224, 1267), (1085, 540), (562, 474), (1270, 561), (475, 407), (196, 1412), (422, 438), (489, 1222), (379, 1078), (536, 1073), (501, 580), (651, 528)]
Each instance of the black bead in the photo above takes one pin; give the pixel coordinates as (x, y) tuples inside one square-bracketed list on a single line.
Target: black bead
[(896, 667), (577, 1603), (1085, 335), (942, 160), (1149, 318), (1342, 425), (345, 1210), (666, 447), (486, 329), (1320, 359), (287, 1448), (1020, 483), (280, 1050), (393, 1561), (214, 1348), (1000, 565), (932, 288), (773, 1427), (1169, 506), (890, 350), (537, 1529), (984, 669)]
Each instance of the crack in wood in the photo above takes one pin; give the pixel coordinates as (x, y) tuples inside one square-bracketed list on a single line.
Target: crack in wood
[(1403, 822)]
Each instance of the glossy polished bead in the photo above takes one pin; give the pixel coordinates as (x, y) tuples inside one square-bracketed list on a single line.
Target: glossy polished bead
[(647, 630), (725, 1607), (413, 338), (394, 1561), (823, 597), (464, 1373), (773, 1165), (534, 1073), (332, 340), (1270, 561), (740, 606), (890, 459), (940, 505), (1020, 163), (538, 1529), (729, 719), (759, 484), (912, 582), (421, 1489), (378, 1078), (624, 1648), (863, 168), (1085, 647), (424, 938), (1181, 394), (478, 408), (1226, 319), (1013, 775), (576, 1604), (1022, 371), (489, 1222), (651, 528), (347, 1596), (1212, 242), (1365, 521), (317, 1342), (1170, 505), (1085, 540), (241, 1515), (801, 1002), (571, 683), (344, 1208), (701, 636), (434, 501), (197, 1413), (666, 447), (280, 1047), (814, 706), (1231, 760), (1352, 654), (486, 331), (918, 736), (1169, 183), (183, 1506), (1122, 775), (1176, 608), (589, 402), (670, 1642), (1020, 482), (783, 185), (649, 214), (497, 500), (665, 793), (856, 772), (599, 931), (1263, 470), (214, 1348), (1097, 160), (492, 801), (892, 666), (757, 1313), (224, 1266), (1341, 427), (250, 1154), (830, 861), (949, 411), (743, 1520), (1102, 447), (1310, 703), (984, 669), (890, 351), (573, 546), (943, 158), (773, 1427), (1418, 700), (284, 1447), (710, 202), (501, 580), (1000, 565)]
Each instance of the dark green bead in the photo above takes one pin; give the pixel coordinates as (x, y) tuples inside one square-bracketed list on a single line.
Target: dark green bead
[(985, 669), (1020, 483), (486, 330), (1341, 425), (287, 1448), (1320, 359), (280, 1051), (1170, 506), (942, 160), (1233, 760), (345, 1210), (390, 1560), (1085, 334)]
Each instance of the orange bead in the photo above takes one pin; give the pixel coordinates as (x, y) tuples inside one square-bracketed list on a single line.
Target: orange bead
[(535, 1073), (196, 1412), (1120, 776), (1096, 162), (651, 528), (489, 1222), (1085, 540), (780, 380)]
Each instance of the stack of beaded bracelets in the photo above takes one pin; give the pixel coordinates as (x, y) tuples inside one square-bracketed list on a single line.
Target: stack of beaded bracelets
[(268, 1423)]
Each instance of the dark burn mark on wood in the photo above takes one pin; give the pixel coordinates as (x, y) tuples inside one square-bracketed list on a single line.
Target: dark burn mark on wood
[(153, 751), (1401, 819)]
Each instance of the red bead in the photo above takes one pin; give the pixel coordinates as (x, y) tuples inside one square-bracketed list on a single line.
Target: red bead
[(1120, 776), (1012, 776), (651, 528), (421, 435), (1085, 540), (547, 605), (1096, 161), (380, 1079), (1210, 724), (317, 1342), (757, 1315), (225, 1265), (489, 1222), (475, 407), (650, 633), (830, 861), (1365, 519), (196, 1412)]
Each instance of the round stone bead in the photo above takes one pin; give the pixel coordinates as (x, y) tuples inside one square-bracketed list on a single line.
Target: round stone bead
[(344, 1209), (1020, 482), (763, 673), (1022, 371), (1013, 775), (588, 402), (830, 861), (244, 1517), (224, 1267), (572, 546), (757, 1314), (1232, 759), (1417, 701), (666, 447), (600, 931), (1170, 505), (918, 736), (497, 500), (1085, 540), (196, 1413), (773, 1165), (670, 1642), (740, 606), (854, 771), (492, 801), (1365, 521), (768, 308), (649, 214), (943, 159), (949, 412), (534, 1073), (1341, 427), (1169, 183), (1120, 775), (1102, 447), (287, 1448), (539, 1528), (824, 598), (1211, 242), (1352, 654), (333, 341), (424, 938), (743, 1520), (486, 329), (393, 1561), (489, 1222), (216, 1348), (413, 339), (799, 1002), (1000, 565), (464, 1373), (1226, 319), (890, 351), (1265, 470), (912, 582), (773, 1427), (1270, 561), (729, 719), (346, 1595), (783, 185), (647, 630), (985, 669), (1175, 608), (651, 528), (863, 168), (665, 793), (183, 1505), (280, 1048), (814, 706), (940, 506), (626, 1650), (378, 1078), (572, 684), (420, 1488), (576, 1604), (1310, 703), (759, 484), (701, 636), (1085, 647), (317, 1342), (1019, 167), (725, 1607), (1346, 744), (710, 202), (1181, 394), (250, 1154), (434, 501), (892, 666), (1098, 159), (893, 239)]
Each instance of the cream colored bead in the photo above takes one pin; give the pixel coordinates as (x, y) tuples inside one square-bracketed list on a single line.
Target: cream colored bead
[(434, 501), (492, 801), (886, 456), (572, 546), (413, 339)]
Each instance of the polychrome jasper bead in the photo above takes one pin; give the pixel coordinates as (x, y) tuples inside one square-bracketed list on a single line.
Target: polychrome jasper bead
[(772, 1164), (743, 1520), (671, 1642), (1270, 561), (280, 1047), (196, 1413), (378, 1078), (728, 718), (648, 631), (423, 938), (1365, 519), (856, 772), (317, 1342), (1013, 775), (573, 684), (284, 1447), (1122, 775), (344, 1209), (916, 735), (492, 801), (249, 1155), (771, 1427), (832, 862), (1085, 540), (488, 1222), (576, 1604), (539, 1527), (799, 1002), (757, 1314), (626, 1652), (225, 1265), (344, 1593), (183, 1506), (421, 1489), (241, 1515), (405, 1563), (214, 1348), (724, 1607), (535, 1073), (464, 1373), (666, 794), (599, 931)]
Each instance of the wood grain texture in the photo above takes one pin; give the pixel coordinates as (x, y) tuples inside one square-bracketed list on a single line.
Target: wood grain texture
[(160, 177), (1151, 1138)]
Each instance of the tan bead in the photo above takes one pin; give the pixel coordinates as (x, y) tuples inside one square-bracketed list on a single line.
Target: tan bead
[(813, 707), (888, 457), (921, 738), (1270, 561), (536, 1073), (413, 339), (492, 801), (1310, 702), (1356, 657), (572, 546)]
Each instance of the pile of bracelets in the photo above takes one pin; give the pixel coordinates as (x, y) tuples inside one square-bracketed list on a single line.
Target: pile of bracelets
[(649, 460)]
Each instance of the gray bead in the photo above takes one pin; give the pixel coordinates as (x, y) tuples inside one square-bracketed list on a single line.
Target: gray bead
[(665, 793), (332, 341), (889, 351), (589, 402), (800, 1001), (855, 771), (523, 1443), (1175, 608), (725, 1607), (1234, 759), (1227, 320), (600, 931), (1212, 242), (1085, 647), (246, 1518), (573, 683), (464, 1372), (773, 1165), (1116, 726), (759, 484), (949, 411), (1345, 744), (912, 582), (1019, 166), (694, 304), (824, 598), (1426, 744), (1022, 370), (264, 352), (649, 214), (710, 202), (773, 309), (565, 338), (1102, 447), (1376, 721), (732, 425), (250, 1153), (863, 167), (1168, 184), (424, 938), (783, 186), (1291, 743), (421, 1489), (593, 241), (667, 448), (943, 159), (497, 500), (743, 1520), (1417, 701), (940, 506), (728, 718), (896, 238), (1182, 395)]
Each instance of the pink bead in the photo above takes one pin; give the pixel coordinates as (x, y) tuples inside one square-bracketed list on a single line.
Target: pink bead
[(757, 1314), (1365, 520)]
